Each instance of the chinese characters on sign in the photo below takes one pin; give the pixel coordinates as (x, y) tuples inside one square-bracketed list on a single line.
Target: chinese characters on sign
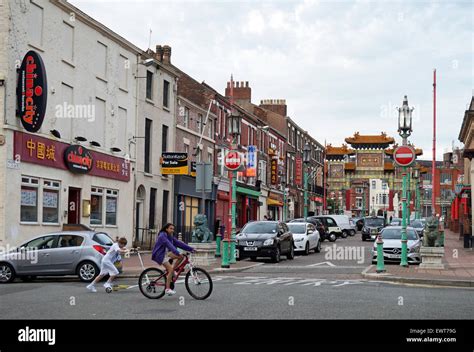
[(299, 171), (251, 161), (274, 171)]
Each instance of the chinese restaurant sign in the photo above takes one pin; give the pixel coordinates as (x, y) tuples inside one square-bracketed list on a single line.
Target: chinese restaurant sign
[(274, 171), (251, 170), (43, 151), (299, 171), (32, 91)]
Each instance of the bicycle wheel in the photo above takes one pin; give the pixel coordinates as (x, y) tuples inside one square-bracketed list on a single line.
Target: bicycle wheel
[(199, 284), (152, 283)]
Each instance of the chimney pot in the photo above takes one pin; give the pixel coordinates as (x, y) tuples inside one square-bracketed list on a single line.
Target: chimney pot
[(166, 54), (237, 84), (247, 84), (228, 84)]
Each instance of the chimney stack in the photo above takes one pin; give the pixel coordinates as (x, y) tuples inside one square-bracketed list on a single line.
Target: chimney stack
[(242, 91), (276, 105), (159, 53), (166, 54)]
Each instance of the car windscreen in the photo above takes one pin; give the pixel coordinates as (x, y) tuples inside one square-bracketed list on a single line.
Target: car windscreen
[(260, 227), (396, 234), (103, 238), (416, 223), (297, 228), (374, 222)]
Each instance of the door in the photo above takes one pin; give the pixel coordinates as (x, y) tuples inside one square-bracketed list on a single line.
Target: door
[(35, 256), (138, 221), (312, 237), (74, 201), (66, 254)]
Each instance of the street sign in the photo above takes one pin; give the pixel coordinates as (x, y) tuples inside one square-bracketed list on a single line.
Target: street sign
[(232, 161), (174, 163), (204, 177), (404, 155)]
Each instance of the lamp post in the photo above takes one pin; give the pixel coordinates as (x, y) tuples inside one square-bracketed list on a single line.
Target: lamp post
[(234, 130), (416, 177), (285, 205), (306, 161), (404, 129), (409, 197)]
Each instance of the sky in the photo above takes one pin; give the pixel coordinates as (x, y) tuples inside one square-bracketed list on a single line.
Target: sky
[(342, 66)]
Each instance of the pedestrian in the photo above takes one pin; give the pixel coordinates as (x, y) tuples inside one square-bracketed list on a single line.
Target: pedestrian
[(108, 264), (166, 246), (265, 218)]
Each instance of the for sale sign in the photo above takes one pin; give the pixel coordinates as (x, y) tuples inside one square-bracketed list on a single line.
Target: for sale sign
[(174, 164)]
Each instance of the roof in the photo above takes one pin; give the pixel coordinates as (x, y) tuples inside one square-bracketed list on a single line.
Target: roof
[(342, 150), (370, 139), (466, 122), (388, 166), (418, 151)]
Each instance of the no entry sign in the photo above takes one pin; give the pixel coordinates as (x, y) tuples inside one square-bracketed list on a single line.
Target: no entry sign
[(404, 155), (232, 161)]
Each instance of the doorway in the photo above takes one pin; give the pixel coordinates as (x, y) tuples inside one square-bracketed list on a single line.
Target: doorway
[(74, 210)]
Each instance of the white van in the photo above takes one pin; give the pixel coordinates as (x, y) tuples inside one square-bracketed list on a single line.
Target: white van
[(343, 221)]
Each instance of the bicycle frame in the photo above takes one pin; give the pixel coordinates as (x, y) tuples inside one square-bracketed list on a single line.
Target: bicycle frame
[(179, 269)]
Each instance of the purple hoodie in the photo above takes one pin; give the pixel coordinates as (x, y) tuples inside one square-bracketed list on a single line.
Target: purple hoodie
[(165, 241)]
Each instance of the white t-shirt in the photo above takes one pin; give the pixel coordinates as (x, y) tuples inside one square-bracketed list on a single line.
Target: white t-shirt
[(112, 254)]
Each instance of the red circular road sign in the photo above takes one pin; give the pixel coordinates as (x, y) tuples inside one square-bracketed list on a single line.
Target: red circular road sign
[(404, 155), (233, 161)]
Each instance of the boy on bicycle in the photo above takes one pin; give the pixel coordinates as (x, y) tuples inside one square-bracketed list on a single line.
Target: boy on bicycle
[(166, 246)]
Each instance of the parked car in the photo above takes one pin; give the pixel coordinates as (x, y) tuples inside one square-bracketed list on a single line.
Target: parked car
[(343, 221), (323, 231), (396, 222), (372, 227), (392, 245), (265, 239), (418, 226), (56, 254), (331, 225), (306, 237)]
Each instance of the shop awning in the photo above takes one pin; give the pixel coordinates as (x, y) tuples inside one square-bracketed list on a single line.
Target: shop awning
[(274, 202), (249, 192)]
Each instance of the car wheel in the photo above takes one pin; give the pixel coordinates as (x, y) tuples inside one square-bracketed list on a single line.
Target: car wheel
[(318, 247), (276, 257), (332, 237), (344, 234), (291, 253), (7, 273), (306, 249), (352, 232), (28, 278), (363, 238), (87, 271)]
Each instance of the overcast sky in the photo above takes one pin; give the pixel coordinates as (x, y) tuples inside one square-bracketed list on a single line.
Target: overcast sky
[(342, 66)]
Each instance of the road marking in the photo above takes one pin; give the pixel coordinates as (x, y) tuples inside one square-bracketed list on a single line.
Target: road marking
[(322, 263), (286, 281)]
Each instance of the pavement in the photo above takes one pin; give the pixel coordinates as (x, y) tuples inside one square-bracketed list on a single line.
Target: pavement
[(458, 261)]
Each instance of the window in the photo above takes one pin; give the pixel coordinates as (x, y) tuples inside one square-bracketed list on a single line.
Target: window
[(148, 129), (359, 203), (186, 117), (191, 210), (262, 171), (374, 184), (199, 123), (164, 211), (384, 186), (70, 241), (103, 238), (166, 92), (445, 178), (209, 157), (96, 206), (67, 46), (164, 138), (151, 218), (29, 199), (124, 69), (35, 24), (359, 190), (51, 201), (149, 85), (210, 128), (45, 242), (111, 208), (101, 57)]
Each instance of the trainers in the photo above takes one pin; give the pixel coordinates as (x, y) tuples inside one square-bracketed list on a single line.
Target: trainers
[(170, 292), (91, 287)]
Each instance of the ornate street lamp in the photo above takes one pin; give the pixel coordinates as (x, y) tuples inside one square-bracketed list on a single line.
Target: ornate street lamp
[(416, 177), (306, 161), (404, 129), (234, 122)]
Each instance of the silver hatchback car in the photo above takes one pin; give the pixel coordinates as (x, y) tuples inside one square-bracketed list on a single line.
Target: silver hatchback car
[(56, 254)]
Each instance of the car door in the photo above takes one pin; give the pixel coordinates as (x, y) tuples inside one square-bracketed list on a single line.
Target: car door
[(66, 254), (283, 235), (35, 255), (312, 237)]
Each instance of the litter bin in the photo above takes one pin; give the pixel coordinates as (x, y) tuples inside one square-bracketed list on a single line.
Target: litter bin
[(467, 240)]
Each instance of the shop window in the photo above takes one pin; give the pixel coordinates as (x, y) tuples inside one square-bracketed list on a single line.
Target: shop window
[(29, 199), (191, 210), (96, 206), (111, 207), (51, 201)]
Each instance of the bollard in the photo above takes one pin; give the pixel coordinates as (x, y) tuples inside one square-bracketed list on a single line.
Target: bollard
[(218, 245), (380, 262), (180, 236), (225, 252)]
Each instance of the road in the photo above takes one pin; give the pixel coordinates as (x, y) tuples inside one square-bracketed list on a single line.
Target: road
[(309, 287)]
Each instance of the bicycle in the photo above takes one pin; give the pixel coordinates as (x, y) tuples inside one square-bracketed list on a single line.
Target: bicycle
[(152, 281)]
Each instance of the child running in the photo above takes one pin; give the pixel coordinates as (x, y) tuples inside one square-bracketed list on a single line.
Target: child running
[(107, 266), (166, 246)]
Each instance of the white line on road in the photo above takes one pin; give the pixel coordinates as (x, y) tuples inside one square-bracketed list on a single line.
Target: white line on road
[(323, 263)]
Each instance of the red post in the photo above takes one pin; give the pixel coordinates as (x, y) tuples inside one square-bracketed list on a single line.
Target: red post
[(433, 165)]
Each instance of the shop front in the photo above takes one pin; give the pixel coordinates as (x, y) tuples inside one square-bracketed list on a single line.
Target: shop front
[(275, 206), (247, 205), (53, 186)]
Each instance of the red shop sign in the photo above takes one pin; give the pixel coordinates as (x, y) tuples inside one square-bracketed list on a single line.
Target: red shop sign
[(30, 148)]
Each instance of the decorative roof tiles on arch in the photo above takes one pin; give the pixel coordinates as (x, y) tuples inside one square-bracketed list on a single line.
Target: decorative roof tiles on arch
[(381, 139), (418, 151), (343, 150)]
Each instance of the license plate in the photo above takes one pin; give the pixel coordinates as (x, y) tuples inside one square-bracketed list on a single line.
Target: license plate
[(393, 255), (250, 248), (372, 237)]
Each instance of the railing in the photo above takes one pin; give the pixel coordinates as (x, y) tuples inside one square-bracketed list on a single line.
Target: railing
[(186, 233), (145, 238)]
